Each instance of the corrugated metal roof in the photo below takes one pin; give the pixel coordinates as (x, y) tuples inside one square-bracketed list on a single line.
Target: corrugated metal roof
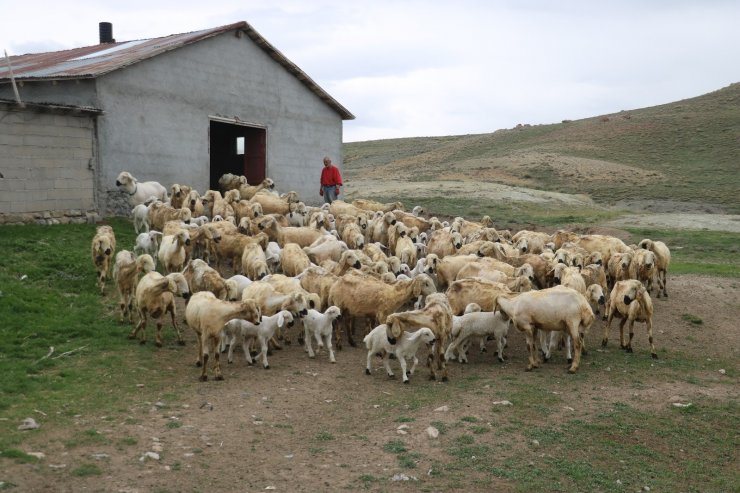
[(97, 60)]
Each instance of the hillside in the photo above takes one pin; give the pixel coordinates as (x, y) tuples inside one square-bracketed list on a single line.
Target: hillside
[(680, 156)]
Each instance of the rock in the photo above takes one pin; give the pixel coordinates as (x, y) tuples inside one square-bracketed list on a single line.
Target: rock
[(403, 427), (432, 432), (100, 456), (403, 477), (502, 403), (38, 455), (568, 408), (722, 371), (619, 482), (149, 455), (29, 424), (402, 432), (442, 409), (680, 404), (646, 488), (57, 466), (536, 443), (160, 404)]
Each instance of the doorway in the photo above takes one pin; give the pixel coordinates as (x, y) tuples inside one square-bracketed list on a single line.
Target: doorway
[(237, 149)]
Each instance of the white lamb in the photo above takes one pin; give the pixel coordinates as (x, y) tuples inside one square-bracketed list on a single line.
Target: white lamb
[(148, 243), (480, 324), (406, 346), (241, 283), (241, 331), (273, 253), (139, 192), (319, 325)]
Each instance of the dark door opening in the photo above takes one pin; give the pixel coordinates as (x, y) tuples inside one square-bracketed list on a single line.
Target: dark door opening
[(239, 150)]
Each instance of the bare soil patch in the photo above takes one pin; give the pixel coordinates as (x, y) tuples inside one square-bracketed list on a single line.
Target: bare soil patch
[(308, 425)]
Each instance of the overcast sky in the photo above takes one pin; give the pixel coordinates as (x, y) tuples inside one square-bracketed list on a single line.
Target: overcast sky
[(432, 67)]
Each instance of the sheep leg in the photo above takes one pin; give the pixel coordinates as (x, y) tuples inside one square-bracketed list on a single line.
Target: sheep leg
[(439, 356), (404, 375), (332, 359), (413, 367), (158, 334), (462, 351), (529, 337), (263, 353), (368, 366), (578, 346), (215, 342), (607, 325), (545, 345), (199, 361), (568, 347), (450, 352), (649, 327), (203, 357), (622, 322), (482, 344), (141, 325), (387, 364), (307, 342), (500, 342)]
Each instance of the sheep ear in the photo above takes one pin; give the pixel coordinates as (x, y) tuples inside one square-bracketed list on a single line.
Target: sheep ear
[(281, 319)]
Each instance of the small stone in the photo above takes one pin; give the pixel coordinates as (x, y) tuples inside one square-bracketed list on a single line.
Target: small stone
[(403, 477), (29, 424), (536, 443), (270, 488), (680, 404), (568, 408), (432, 432), (376, 406), (289, 456), (140, 385), (402, 432), (619, 482), (442, 409), (100, 456), (149, 455), (38, 455), (403, 427), (160, 404), (57, 466), (646, 488), (502, 403), (722, 371)]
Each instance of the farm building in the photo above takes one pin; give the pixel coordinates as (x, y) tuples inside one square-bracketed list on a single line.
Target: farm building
[(184, 108)]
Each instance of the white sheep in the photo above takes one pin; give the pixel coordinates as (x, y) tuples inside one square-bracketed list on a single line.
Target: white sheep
[(241, 283), (242, 331), (148, 243), (480, 324), (140, 215), (405, 347), (319, 325), (138, 193)]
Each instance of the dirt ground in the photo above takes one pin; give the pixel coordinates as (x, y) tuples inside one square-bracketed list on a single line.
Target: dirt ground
[(308, 425)]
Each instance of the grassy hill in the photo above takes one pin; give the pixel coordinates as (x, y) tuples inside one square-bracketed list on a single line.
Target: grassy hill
[(685, 152)]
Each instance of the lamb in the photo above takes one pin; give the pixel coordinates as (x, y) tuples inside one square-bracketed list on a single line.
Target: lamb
[(551, 309), (140, 215), (319, 326), (477, 324), (298, 215), (241, 282), (126, 274), (172, 251), (406, 346), (437, 316), (207, 315), (273, 254), (326, 247), (102, 249), (242, 331), (138, 192), (630, 301), (359, 295), (148, 243), (155, 296), (662, 261)]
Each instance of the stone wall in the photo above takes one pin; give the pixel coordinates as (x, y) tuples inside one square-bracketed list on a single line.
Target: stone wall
[(47, 163)]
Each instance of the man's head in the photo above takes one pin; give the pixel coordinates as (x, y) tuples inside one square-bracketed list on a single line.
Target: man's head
[(327, 161)]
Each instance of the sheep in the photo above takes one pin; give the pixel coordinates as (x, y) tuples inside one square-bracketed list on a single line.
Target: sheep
[(379, 228), (195, 203), (480, 324), (172, 251), (242, 331), (319, 281), (352, 235), (231, 247), (272, 204), (662, 261), (126, 272), (282, 235), (373, 206), (298, 214), (155, 296), (271, 300), (148, 243), (437, 316), (474, 290), (551, 309), (642, 267), (630, 301), (202, 277), (230, 181), (319, 325), (139, 192), (273, 254), (411, 220), (618, 267), (207, 315), (530, 241), (214, 202), (179, 195), (294, 260), (140, 216), (405, 346), (248, 191), (103, 247), (241, 283), (326, 247), (359, 295), (406, 251), (254, 261)]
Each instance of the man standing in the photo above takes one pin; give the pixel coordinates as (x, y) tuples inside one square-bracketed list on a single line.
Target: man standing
[(331, 180)]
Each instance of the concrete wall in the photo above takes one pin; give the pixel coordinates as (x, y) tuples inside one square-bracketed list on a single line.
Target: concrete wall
[(80, 92), (47, 160), (156, 119)]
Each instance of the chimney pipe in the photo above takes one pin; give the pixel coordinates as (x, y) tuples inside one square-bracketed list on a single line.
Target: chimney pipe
[(106, 32)]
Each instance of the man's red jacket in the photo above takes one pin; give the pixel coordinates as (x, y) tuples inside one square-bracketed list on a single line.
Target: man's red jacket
[(330, 176)]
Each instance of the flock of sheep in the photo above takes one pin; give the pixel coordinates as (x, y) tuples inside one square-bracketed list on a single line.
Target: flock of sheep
[(335, 269)]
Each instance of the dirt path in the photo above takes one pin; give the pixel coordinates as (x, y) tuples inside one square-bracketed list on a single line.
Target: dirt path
[(307, 425)]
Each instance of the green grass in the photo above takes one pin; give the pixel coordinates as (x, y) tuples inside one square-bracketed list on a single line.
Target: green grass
[(87, 470), (18, 455)]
